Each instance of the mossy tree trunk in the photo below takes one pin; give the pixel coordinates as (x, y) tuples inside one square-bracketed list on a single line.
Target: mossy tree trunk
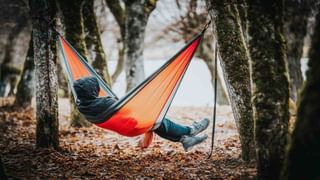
[(137, 13), (72, 18), (295, 27), (235, 65), (205, 52), (119, 14), (271, 86), (26, 84), (304, 151), (93, 42), (44, 47)]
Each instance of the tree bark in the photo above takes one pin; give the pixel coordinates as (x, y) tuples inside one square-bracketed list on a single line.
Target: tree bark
[(73, 19), (26, 84), (119, 14), (271, 86), (138, 12), (295, 27), (304, 150), (93, 42), (44, 47), (120, 63), (235, 65)]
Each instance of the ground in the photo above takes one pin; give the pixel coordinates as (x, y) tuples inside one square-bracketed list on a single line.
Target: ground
[(94, 153)]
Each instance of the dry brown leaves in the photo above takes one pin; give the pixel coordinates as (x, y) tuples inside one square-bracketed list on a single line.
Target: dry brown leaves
[(93, 153)]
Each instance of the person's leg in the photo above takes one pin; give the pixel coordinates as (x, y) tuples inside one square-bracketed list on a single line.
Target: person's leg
[(172, 131)]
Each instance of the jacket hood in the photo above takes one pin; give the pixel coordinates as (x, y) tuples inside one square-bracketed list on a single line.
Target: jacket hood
[(87, 88)]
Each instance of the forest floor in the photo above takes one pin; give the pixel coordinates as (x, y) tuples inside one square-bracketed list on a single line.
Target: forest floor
[(94, 153)]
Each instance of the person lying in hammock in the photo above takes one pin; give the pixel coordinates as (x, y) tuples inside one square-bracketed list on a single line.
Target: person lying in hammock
[(93, 107)]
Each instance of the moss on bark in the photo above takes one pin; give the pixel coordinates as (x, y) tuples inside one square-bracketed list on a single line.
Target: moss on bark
[(235, 65), (271, 86), (304, 151)]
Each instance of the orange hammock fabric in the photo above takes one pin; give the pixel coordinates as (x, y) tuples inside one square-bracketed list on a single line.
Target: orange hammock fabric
[(138, 111)]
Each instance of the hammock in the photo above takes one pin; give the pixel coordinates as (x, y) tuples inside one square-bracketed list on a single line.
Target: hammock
[(146, 104)]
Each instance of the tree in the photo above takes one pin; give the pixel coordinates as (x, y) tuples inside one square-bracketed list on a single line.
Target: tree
[(137, 14), (44, 46), (295, 28), (26, 84), (235, 65), (14, 21), (119, 14), (7, 71), (73, 20), (304, 150), (93, 42), (271, 86), (205, 52)]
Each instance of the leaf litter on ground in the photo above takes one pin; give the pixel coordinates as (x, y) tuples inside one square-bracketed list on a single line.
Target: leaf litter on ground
[(95, 153)]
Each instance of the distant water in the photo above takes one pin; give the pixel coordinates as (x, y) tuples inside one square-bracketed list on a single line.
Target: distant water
[(195, 89)]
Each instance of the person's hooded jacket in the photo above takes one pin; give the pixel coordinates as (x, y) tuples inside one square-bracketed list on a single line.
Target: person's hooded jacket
[(93, 107)]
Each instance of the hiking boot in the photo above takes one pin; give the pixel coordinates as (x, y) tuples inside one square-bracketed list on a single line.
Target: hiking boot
[(190, 141), (198, 127)]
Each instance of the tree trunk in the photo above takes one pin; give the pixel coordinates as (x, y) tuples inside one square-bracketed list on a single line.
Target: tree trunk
[(271, 87), (295, 28), (2, 170), (63, 82), (119, 14), (26, 84), (44, 47), (205, 52), (93, 42), (120, 63), (7, 70), (138, 12), (304, 150), (72, 12), (235, 65)]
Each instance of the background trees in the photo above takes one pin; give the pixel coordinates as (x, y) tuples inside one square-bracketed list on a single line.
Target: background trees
[(14, 32), (93, 42), (191, 22), (137, 14), (74, 33), (25, 89)]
